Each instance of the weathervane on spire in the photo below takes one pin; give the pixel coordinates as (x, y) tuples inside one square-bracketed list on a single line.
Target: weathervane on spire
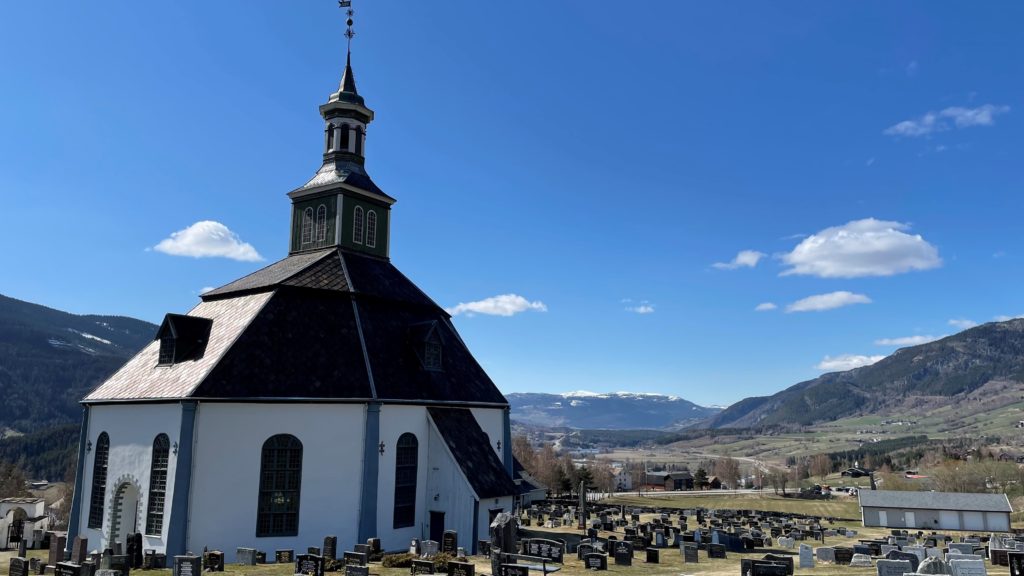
[(349, 32)]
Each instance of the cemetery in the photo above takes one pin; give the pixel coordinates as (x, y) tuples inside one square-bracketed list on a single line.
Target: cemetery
[(551, 537)]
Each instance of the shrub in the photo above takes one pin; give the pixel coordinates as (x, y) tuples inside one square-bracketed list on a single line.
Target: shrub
[(402, 560)]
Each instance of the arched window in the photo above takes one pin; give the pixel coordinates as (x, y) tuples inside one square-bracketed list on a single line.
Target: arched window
[(371, 229), (321, 223), (280, 483), (99, 481), (359, 140), (345, 137), (406, 462), (157, 485), (307, 226), (357, 225), (330, 136)]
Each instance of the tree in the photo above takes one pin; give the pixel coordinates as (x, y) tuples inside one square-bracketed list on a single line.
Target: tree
[(821, 466), (547, 469), (604, 476), (728, 471), (778, 479), (700, 479), (523, 451), (12, 481)]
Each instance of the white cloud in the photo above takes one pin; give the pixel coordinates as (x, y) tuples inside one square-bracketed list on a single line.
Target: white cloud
[(820, 302), (765, 306), (1004, 318), (744, 259), (208, 239), (503, 305), (205, 289), (906, 340), (867, 247), (846, 362), (644, 307), (952, 117), (962, 323)]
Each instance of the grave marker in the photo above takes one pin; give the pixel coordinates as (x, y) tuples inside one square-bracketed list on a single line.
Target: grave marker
[(623, 553), (968, 568), (355, 558), (67, 569), (79, 550), (716, 550), (593, 561), (689, 552), (357, 571), (246, 556), (893, 567), (422, 567), (806, 556), (309, 564), (450, 542), (284, 556), (330, 548), (461, 569), (18, 567), (653, 556)]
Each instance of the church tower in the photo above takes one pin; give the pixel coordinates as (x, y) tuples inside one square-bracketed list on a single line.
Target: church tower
[(340, 205)]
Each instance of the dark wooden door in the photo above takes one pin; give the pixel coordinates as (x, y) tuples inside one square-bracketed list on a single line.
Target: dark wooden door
[(436, 526)]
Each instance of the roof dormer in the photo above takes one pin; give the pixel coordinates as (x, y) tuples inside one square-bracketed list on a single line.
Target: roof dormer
[(182, 338)]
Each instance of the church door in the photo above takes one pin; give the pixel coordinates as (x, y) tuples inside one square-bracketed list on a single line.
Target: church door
[(436, 526)]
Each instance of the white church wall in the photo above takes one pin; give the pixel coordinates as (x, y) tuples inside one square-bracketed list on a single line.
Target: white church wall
[(226, 473), (396, 420), (488, 507), (493, 424), (448, 492), (132, 430)]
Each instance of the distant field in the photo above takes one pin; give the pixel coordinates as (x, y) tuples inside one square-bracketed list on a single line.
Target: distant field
[(844, 507)]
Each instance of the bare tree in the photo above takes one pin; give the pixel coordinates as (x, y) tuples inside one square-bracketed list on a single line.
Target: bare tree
[(778, 480), (821, 466), (728, 471), (524, 452)]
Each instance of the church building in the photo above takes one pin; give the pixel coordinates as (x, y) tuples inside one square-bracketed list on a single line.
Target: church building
[(322, 395)]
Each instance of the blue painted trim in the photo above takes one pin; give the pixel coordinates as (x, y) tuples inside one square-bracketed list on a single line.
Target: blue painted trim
[(506, 446), (476, 525), (371, 474), (177, 529), (75, 520)]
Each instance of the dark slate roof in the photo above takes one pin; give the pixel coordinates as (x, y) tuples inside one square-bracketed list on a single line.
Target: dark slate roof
[(935, 501), (471, 448), (342, 171), (331, 325)]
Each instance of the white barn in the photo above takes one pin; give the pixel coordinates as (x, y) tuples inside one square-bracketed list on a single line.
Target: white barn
[(322, 395), (935, 510)]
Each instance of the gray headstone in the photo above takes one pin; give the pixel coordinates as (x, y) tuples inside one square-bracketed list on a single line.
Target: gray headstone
[(961, 547), (18, 567), (246, 556), (968, 568), (933, 565), (187, 566), (806, 556), (893, 567), (861, 561)]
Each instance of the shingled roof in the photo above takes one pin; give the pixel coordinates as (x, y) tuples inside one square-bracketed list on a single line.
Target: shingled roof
[(471, 448), (325, 325)]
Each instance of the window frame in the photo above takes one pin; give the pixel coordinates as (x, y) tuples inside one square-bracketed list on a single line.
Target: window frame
[(371, 228), (100, 466), (307, 227), (320, 234), (282, 481), (407, 458), (156, 500), (358, 225)]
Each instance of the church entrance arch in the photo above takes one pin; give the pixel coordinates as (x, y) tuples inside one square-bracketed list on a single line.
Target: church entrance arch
[(124, 518)]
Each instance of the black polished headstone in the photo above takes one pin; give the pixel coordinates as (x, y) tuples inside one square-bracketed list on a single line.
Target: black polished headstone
[(284, 556), (67, 569), (357, 571), (623, 553), (18, 567), (783, 559), (309, 564), (461, 569), (450, 542), (595, 561), (330, 551), (213, 561), (315, 551), (355, 558), (552, 550), (653, 556), (421, 567), (689, 552), (716, 551)]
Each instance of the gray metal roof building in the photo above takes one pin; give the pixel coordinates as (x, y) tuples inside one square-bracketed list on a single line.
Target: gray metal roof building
[(935, 510)]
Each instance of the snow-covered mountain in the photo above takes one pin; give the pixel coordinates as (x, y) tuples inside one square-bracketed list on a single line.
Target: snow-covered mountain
[(613, 411)]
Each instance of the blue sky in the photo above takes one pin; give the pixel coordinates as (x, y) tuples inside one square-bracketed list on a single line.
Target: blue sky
[(857, 165)]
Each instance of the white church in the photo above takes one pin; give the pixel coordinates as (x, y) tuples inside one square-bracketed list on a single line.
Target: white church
[(322, 395)]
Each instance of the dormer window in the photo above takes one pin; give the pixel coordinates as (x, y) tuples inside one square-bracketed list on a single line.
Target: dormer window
[(432, 354), (182, 338), (428, 345)]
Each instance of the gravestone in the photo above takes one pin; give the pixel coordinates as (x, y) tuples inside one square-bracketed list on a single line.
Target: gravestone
[(213, 561), (653, 556), (449, 542), (843, 555), (67, 569), (136, 556), (461, 569), (429, 548), (315, 550), (593, 561), (623, 553), (893, 567), (784, 559), (309, 564), (355, 558), (968, 568), (689, 552), (787, 543), (514, 570), (999, 556), (362, 549), (119, 562), (421, 567), (57, 544), (659, 539), (933, 565), (483, 547), (860, 561), (962, 548), (716, 551), (245, 556), (762, 568), (503, 539), (261, 557), (284, 556), (357, 571), (88, 568), (825, 554), (330, 548), (18, 567), (552, 550), (806, 556), (862, 549), (35, 566), (582, 550), (933, 552), (908, 556), (79, 550)]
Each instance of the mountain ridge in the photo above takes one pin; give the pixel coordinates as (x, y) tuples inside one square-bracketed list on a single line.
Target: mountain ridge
[(606, 411)]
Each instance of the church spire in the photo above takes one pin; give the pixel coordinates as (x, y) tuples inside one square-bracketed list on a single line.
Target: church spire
[(348, 80)]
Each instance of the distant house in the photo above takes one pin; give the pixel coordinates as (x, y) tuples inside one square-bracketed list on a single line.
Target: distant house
[(623, 479), (714, 483), (655, 480), (681, 480), (23, 519), (530, 489), (935, 510)]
